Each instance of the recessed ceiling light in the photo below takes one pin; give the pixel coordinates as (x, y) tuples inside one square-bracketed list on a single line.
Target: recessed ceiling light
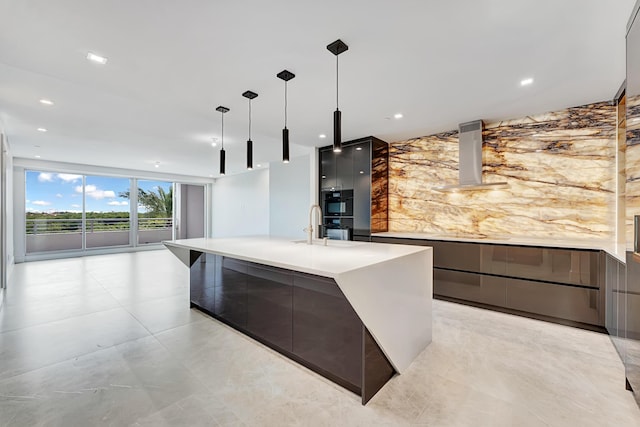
[(37, 156), (96, 58), (46, 101), (322, 136), (259, 165), (42, 130), (398, 116), (213, 144), (361, 172), (358, 148), (157, 164), (526, 82)]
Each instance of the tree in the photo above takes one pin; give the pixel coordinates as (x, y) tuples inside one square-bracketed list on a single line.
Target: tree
[(158, 204)]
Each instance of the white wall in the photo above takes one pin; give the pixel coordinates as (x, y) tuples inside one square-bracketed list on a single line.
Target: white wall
[(241, 204), (290, 196), (6, 193)]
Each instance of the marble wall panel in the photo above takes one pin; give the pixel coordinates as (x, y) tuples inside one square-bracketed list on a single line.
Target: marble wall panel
[(560, 167), (621, 177), (632, 191), (379, 186)]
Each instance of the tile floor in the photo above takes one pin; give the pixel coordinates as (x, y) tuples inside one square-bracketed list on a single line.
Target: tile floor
[(110, 340)]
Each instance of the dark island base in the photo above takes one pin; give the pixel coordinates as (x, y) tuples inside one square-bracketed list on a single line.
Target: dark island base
[(304, 317)]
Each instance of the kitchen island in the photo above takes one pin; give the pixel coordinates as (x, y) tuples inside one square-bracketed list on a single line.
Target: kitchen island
[(353, 312)]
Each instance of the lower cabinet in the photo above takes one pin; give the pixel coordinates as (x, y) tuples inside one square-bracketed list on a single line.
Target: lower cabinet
[(470, 286), (565, 284), (202, 282), (304, 317), (555, 300), (326, 330), (269, 311), (231, 291)]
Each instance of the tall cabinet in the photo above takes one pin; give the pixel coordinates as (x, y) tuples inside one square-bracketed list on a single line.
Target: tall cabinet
[(632, 312), (361, 167)]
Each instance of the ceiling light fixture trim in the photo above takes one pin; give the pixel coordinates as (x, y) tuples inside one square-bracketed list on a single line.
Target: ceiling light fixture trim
[(93, 57)]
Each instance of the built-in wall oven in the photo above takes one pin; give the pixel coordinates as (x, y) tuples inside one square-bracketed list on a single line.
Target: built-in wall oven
[(337, 210), (338, 203)]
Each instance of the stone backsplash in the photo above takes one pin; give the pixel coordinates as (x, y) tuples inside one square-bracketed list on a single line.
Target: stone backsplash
[(560, 167)]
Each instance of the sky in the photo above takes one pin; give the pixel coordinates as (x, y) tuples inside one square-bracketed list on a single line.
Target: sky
[(62, 192)]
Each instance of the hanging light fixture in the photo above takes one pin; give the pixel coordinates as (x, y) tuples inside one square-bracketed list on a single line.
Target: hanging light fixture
[(249, 95), (286, 76), (222, 153), (337, 47)]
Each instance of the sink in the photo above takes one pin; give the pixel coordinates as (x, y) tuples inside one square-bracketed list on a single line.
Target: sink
[(331, 243)]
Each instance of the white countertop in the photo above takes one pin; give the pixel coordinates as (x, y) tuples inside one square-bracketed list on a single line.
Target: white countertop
[(612, 248), (389, 286), (336, 258)]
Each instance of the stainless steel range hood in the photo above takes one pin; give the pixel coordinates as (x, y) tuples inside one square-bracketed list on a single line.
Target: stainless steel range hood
[(470, 158)]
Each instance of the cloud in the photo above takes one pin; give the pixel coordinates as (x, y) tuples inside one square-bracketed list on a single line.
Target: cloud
[(45, 177), (117, 203), (67, 177), (59, 196), (94, 192), (75, 206), (40, 203)]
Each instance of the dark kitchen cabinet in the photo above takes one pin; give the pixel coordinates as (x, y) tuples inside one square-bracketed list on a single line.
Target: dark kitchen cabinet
[(564, 284), (555, 265), (361, 189), (556, 300), (362, 166), (326, 330), (269, 304), (202, 281), (470, 286), (328, 167), (231, 290), (615, 302), (344, 168), (302, 316)]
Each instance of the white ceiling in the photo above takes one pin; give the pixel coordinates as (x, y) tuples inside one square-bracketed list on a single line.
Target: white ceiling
[(171, 63)]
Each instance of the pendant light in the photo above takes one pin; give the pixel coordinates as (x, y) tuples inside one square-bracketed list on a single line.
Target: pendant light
[(286, 76), (337, 47), (249, 95), (222, 153)]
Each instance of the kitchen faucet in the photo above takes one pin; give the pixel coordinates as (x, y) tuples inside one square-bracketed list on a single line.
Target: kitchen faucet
[(309, 229)]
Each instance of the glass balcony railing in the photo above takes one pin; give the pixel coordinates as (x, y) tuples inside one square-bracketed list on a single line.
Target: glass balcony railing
[(44, 235)]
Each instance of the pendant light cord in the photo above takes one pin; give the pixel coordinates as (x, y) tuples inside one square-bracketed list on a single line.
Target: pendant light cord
[(222, 138), (249, 119), (285, 104), (337, 78)]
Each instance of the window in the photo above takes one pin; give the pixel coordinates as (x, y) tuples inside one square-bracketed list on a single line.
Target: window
[(53, 210), (107, 211), (155, 211), (71, 212)]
